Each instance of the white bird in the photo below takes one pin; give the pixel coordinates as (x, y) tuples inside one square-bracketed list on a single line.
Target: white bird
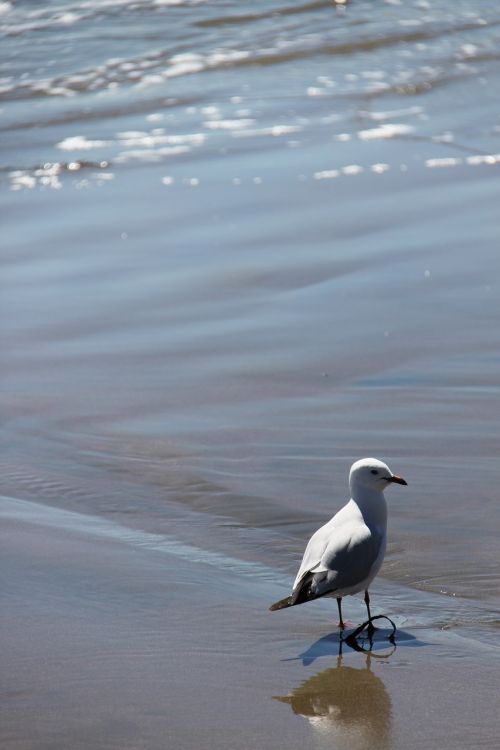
[(344, 556)]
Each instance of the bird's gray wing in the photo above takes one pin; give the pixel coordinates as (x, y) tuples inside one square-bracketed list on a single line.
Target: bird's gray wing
[(349, 561), (346, 561), (314, 551)]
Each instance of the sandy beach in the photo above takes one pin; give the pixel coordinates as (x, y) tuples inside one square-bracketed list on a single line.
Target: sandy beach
[(111, 643), (244, 245)]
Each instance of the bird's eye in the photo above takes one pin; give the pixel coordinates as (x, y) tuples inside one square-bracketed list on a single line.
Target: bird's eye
[(374, 471)]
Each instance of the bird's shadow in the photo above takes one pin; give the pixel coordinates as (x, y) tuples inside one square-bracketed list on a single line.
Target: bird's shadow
[(381, 643)]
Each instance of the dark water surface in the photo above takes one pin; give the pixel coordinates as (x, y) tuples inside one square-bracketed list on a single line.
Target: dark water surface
[(243, 245)]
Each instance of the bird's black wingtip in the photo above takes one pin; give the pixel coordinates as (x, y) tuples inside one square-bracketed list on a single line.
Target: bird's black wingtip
[(282, 604)]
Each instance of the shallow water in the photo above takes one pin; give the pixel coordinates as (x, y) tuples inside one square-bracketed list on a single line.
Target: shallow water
[(244, 245)]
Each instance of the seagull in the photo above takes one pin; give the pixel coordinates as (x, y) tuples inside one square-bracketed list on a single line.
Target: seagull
[(344, 556)]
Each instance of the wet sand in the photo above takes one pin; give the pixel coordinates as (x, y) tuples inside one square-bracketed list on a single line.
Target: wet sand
[(110, 643)]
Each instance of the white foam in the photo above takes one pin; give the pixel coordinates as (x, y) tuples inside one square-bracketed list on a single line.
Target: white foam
[(387, 130), (22, 180), (443, 162), (381, 115), (352, 169), (80, 143), (488, 159), (239, 124), (68, 18), (186, 63), (150, 155), (223, 56), (380, 168), (184, 68), (51, 89), (469, 50), (316, 91), (275, 131), (149, 146), (327, 174)]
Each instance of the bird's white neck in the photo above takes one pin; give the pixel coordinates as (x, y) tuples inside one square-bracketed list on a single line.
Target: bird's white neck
[(372, 505)]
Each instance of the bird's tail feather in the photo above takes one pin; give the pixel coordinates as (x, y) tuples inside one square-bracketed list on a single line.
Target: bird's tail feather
[(301, 593), (282, 604)]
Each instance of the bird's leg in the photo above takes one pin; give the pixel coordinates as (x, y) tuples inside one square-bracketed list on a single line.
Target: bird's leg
[(371, 627), (339, 605)]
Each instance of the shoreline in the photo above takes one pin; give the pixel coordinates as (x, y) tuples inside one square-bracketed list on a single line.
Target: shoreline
[(108, 643)]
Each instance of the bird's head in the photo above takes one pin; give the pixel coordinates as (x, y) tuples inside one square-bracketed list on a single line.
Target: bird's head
[(372, 474)]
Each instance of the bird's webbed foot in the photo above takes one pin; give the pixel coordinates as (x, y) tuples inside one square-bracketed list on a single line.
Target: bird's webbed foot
[(370, 629)]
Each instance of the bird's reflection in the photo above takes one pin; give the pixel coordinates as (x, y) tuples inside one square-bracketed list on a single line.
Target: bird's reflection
[(377, 643), (348, 706)]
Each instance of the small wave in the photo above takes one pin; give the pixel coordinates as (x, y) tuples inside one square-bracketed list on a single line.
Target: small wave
[(111, 112), (157, 67), (19, 22), (78, 523), (245, 18), (152, 69)]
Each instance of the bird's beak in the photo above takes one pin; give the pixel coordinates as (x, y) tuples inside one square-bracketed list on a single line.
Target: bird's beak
[(398, 480)]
